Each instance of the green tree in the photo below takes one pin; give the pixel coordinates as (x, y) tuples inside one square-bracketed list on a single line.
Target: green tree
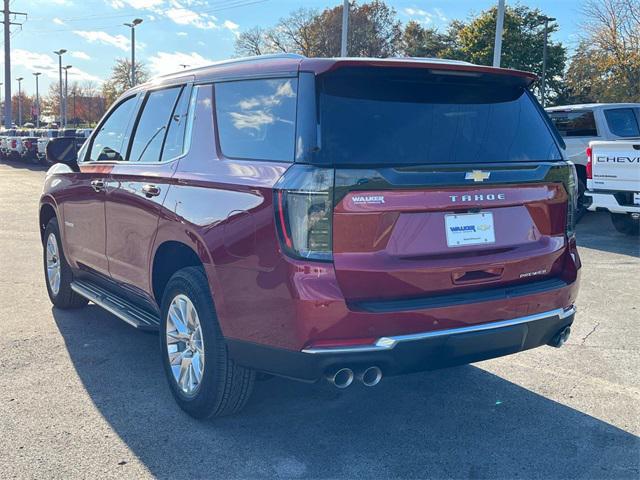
[(418, 41), (522, 44)]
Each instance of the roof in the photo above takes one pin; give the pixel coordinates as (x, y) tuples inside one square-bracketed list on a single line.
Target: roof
[(292, 63), (590, 106)]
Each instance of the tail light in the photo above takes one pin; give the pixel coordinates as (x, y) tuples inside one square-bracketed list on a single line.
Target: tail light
[(303, 200), (589, 163), (14, 143), (27, 144)]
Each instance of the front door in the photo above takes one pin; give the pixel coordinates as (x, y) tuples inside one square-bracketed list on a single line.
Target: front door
[(83, 204), (137, 187)]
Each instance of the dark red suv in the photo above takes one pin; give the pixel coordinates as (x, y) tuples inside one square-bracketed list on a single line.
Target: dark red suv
[(311, 218)]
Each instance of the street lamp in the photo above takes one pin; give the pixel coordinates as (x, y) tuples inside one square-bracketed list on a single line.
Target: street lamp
[(37, 74), (66, 84), (60, 53), (543, 80), (132, 26), (19, 79)]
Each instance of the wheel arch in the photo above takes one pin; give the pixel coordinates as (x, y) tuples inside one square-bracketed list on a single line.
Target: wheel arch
[(47, 212), (169, 257)]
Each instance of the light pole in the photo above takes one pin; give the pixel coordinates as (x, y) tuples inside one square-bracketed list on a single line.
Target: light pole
[(61, 109), (543, 80), (19, 79), (37, 74), (2, 113), (497, 43), (66, 84), (132, 26), (345, 29)]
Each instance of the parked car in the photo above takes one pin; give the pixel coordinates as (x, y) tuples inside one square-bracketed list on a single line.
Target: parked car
[(581, 124), (29, 151), (44, 139), (82, 134), (318, 218), (15, 147), (613, 182), (4, 142)]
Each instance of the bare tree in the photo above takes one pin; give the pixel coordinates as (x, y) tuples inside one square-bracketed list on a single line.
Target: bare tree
[(252, 42)]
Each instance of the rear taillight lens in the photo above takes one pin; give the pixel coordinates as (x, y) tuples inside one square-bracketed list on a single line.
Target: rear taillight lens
[(14, 143), (27, 144), (303, 200), (589, 164)]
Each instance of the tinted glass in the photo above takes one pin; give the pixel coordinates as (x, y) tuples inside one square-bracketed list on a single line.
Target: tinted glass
[(403, 118), (174, 143), (256, 118), (575, 124), (622, 122), (107, 144), (152, 126)]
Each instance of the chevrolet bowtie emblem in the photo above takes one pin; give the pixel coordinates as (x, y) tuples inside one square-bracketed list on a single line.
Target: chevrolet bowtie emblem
[(477, 175)]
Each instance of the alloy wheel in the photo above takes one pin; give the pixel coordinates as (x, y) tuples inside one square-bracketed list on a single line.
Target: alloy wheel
[(53, 264)]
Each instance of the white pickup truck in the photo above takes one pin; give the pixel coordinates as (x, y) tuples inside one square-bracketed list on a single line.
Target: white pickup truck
[(613, 182)]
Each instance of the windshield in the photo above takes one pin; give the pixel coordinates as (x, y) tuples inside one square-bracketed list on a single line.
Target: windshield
[(410, 117)]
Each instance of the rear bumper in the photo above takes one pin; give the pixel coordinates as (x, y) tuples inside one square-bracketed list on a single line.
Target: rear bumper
[(412, 352), (607, 201)]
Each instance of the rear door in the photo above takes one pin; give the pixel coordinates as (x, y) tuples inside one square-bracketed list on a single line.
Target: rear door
[(442, 185), (139, 184)]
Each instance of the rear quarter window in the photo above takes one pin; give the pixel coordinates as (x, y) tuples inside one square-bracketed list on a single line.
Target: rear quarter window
[(256, 118), (622, 122), (575, 124)]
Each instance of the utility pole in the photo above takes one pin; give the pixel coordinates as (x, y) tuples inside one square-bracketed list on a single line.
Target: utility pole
[(543, 80), (60, 52), (345, 28), (7, 61), (66, 96), (19, 79), (37, 74), (497, 45), (132, 26)]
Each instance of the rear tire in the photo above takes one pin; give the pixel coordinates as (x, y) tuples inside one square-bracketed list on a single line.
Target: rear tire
[(57, 272), (624, 223), (204, 381), (581, 209)]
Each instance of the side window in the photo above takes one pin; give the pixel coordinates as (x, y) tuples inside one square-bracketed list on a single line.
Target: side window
[(151, 128), (256, 118), (622, 122), (174, 143), (107, 143), (575, 124)]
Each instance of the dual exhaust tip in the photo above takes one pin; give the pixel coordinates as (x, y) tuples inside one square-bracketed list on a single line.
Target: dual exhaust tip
[(561, 337), (344, 377)]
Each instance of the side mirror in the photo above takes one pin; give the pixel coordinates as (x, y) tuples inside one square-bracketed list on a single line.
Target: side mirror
[(63, 150)]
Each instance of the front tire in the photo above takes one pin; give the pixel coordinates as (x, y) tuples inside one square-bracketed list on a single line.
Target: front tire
[(625, 223), (57, 272), (204, 381)]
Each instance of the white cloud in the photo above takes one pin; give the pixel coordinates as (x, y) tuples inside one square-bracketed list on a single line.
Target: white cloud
[(166, 62), (182, 15), (182, 34), (42, 62), (118, 41), (233, 27), (80, 55), (58, 21), (137, 4), (440, 14), (419, 15)]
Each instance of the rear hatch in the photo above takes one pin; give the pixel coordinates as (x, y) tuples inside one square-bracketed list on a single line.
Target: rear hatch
[(443, 183)]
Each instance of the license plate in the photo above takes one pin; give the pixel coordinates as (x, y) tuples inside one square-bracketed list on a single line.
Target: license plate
[(636, 198), (469, 229)]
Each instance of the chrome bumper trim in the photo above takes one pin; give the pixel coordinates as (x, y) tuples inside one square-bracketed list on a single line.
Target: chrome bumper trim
[(388, 343)]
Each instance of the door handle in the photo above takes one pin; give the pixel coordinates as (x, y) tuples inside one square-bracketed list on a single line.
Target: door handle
[(150, 190), (98, 185)]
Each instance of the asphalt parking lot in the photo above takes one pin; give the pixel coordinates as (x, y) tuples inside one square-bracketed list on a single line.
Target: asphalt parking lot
[(82, 394)]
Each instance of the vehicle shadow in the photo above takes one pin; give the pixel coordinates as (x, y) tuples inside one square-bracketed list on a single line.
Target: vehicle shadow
[(456, 423), (596, 231), (24, 165)]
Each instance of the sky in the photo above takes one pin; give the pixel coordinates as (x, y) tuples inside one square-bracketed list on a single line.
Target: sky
[(191, 32)]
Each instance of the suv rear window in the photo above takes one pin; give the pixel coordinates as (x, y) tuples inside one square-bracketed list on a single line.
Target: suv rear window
[(256, 118), (411, 117), (622, 122), (575, 124)]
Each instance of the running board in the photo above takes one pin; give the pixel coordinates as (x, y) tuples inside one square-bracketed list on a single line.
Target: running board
[(123, 309)]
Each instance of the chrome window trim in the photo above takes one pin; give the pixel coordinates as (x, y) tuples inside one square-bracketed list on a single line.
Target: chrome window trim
[(388, 343)]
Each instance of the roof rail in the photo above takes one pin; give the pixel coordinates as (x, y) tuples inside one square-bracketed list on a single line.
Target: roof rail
[(231, 61)]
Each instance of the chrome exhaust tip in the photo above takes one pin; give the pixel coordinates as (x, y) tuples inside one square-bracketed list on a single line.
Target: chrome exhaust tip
[(370, 377), (561, 337), (341, 378)]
